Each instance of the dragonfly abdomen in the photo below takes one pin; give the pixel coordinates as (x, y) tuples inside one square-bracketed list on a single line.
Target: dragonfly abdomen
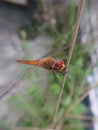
[(29, 62)]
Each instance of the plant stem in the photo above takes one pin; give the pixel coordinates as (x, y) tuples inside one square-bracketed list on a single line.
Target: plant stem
[(79, 13), (73, 106)]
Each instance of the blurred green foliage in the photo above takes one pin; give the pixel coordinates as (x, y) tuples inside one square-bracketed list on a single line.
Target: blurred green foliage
[(37, 107)]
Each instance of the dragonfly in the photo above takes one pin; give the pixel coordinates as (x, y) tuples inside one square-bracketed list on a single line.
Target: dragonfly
[(48, 63), (56, 66)]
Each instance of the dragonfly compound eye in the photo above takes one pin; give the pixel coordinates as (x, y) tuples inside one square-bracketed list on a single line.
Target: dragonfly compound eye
[(60, 61), (58, 64)]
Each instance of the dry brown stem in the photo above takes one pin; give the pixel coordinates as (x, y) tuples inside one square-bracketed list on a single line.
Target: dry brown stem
[(79, 13), (72, 107)]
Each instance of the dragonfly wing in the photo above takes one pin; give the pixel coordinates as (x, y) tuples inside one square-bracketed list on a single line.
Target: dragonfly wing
[(55, 52), (56, 78), (14, 82)]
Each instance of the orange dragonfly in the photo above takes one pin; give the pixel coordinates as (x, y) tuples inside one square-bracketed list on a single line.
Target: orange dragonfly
[(48, 63)]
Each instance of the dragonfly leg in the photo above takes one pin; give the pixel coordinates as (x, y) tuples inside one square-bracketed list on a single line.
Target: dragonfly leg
[(66, 71)]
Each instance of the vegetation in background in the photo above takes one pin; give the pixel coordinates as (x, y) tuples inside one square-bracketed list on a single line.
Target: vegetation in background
[(36, 109)]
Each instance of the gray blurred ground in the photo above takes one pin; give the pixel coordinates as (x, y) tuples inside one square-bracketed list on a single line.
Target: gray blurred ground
[(11, 18), (10, 43)]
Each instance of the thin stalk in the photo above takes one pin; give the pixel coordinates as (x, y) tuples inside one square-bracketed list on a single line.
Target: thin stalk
[(31, 128), (73, 106), (83, 117), (79, 13)]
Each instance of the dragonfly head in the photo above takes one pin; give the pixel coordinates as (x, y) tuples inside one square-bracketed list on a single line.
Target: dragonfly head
[(60, 66)]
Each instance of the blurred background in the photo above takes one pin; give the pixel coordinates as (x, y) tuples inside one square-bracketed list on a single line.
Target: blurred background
[(33, 29)]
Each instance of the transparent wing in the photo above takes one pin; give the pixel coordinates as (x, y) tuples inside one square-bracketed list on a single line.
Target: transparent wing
[(15, 80), (56, 78), (18, 78)]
